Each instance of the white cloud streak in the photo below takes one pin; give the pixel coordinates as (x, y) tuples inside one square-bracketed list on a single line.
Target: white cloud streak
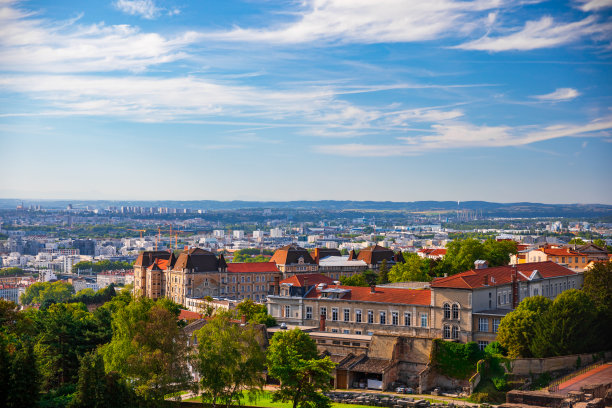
[(143, 8), (463, 135), (560, 94), (543, 33), (29, 44), (371, 21), (594, 5)]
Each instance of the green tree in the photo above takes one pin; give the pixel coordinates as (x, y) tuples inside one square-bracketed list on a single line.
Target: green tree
[(149, 349), (97, 389), (413, 269), (355, 280), (516, 329), (370, 277), (577, 241), (497, 253), (600, 243), (230, 361), (255, 313), (567, 327), (12, 271), (41, 292), (293, 360), (24, 379), (383, 273)]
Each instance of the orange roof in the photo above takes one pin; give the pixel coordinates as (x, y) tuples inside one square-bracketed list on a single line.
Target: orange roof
[(381, 295), (189, 315), (500, 275), (312, 278), (251, 267), (438, 252), (159, 263), (560, 252)]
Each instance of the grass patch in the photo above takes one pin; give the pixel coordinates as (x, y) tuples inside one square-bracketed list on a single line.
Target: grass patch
[(265, 400)]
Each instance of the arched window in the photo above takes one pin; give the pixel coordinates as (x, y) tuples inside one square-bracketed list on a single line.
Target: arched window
[(455, 311), (455, 332), (447, 312), (447, 332)]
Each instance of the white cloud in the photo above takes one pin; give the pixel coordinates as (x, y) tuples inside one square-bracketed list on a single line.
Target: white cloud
[(371, 21), (29, 44), (463, 135), (560, 94), (543, 33), (593, 5), (144, 8)]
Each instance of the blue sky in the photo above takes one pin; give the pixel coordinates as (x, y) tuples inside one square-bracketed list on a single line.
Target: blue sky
[(286, 100)]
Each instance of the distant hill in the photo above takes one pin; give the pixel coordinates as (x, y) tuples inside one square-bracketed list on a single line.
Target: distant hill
[(521, 209)]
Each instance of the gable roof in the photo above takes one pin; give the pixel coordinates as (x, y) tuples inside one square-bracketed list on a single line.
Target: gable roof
[(198, 259), (251, 267), (380, 295), (502, 275), (375, 254), (310, 278), (146, 258), (320, 253), (290, 254)]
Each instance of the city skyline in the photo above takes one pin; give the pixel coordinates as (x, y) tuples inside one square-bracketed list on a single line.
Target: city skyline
[(398, 101)]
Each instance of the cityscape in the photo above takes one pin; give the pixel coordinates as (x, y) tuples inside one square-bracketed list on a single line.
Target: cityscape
[(306, 204)]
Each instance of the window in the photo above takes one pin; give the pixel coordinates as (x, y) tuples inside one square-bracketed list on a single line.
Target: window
[(495, 325), (347, 314), (583, 259), (357, 332), (482, 345), (562, 259), (345, 331), (287, 311), (483, 325), (394, 318), (383, 318), (334, 314), (308, 312), (370, 317), (455, 311), (324, 312), (576, 260), (423, 319), (447, 332), (358, 316), (447, 312), (335, 331), (407, 319), (455, 332), (505, 298)]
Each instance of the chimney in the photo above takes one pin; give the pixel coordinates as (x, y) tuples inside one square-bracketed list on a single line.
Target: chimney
[(322, 323), (372, 288), (515, 295), (243, 320), (485, 280), (305, 283), (277, 285)]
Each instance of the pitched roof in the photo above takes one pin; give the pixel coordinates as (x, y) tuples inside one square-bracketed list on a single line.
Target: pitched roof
[(189, 315), (146, 258), (159, 265), (198, 259), (559, 251), (381, 294), (311, 278), (375, 254), (251, 267), (319, 253), (501, 275), (290, 254)]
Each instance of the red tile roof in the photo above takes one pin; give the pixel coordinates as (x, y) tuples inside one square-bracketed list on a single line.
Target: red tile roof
[(313, 279), (381, 295), (189, 315), (251, 267), (501, 275)]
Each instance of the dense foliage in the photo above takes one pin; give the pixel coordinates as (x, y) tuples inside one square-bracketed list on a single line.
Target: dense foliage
[(455, 360), (575, 322), (101, 266), (11, 271)]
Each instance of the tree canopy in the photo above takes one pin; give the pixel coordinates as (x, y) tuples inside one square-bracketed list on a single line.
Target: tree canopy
[(41, 292), (293, 360), (229, 360)]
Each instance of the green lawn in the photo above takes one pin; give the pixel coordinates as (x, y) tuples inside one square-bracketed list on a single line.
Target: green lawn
[(265, 400)]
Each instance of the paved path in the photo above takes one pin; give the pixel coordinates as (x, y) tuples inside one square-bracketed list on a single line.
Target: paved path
[(598, 375)]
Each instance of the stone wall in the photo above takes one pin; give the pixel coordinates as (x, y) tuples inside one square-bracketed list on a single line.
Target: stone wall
[(542, 399), (429, 379), (528, 366)]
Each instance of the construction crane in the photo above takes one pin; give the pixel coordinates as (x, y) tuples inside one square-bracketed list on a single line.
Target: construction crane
[(176, 234), (139, 230)]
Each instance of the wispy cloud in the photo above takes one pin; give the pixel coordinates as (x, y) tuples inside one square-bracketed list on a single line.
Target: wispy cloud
[(543, 33), (593, 5), (463, 135), (29, 44), (370, 21), (560, 94), (143, 8)]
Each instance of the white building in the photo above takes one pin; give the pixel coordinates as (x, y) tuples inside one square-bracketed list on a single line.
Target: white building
[(11, 293), (258, 234), (218, 233), (276, 233), (238, 234)]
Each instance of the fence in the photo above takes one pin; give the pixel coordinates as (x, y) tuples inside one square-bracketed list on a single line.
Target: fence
[(554, 386)]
